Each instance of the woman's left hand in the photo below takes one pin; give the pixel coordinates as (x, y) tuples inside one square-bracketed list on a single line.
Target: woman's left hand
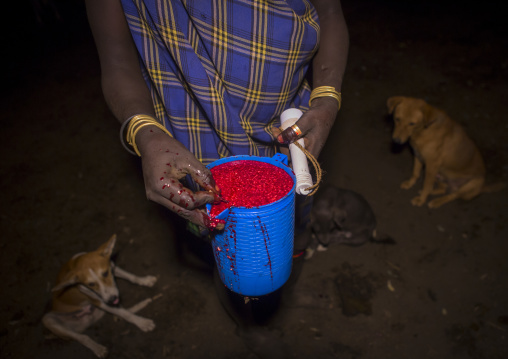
[(315, 125)]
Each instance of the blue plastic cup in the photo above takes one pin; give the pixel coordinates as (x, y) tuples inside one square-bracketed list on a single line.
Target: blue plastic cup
[(254, 252)]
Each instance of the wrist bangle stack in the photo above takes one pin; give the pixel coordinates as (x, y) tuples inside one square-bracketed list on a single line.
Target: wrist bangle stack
[(134, 124), (326, 91)]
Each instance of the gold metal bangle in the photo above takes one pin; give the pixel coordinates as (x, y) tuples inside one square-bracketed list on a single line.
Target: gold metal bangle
[(136, 123), (326, 91)]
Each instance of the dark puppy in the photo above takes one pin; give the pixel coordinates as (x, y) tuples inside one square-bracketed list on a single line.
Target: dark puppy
[(341, 216)]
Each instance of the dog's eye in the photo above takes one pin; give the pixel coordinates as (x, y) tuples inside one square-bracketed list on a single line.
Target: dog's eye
[(411, 123), (105, 274), (91, 284)]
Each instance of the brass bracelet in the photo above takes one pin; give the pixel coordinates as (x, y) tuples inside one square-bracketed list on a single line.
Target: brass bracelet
[(326, 91), (122, 136), (136, 123)]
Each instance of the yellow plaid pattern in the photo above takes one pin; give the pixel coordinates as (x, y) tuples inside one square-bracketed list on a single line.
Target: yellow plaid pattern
[(222, 71)]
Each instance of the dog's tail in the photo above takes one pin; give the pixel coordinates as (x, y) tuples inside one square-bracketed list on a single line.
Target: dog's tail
[(381, 238), (495, 187)]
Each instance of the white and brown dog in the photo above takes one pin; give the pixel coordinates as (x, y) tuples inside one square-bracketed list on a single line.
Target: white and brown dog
[(85, 289)]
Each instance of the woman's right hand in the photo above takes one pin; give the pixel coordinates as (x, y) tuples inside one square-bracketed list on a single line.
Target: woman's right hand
[(165, 161)]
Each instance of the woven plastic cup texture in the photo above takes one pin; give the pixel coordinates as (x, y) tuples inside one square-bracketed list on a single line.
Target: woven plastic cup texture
[(254, 252)]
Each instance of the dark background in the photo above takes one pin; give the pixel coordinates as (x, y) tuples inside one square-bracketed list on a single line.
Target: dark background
[(67, 185)]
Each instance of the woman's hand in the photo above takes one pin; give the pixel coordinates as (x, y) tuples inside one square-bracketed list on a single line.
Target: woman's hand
[(165, 161), (315, 125)]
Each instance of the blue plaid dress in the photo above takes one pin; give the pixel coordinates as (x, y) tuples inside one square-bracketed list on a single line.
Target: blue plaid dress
[(221, 72)]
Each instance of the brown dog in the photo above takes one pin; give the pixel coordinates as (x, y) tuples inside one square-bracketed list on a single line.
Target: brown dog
[(443, 147), (85, 290)]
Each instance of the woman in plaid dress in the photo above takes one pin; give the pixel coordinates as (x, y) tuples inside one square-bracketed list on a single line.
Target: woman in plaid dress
[(216, 74), (193, 81)]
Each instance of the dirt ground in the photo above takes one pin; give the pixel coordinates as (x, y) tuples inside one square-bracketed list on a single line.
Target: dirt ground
[(439, 292)]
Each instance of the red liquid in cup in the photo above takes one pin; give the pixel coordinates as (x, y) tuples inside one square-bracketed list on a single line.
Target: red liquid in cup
[(245, 183)]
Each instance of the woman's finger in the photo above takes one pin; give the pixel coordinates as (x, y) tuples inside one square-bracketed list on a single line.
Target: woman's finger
[(174, 191), (195, 216), (299, 129)]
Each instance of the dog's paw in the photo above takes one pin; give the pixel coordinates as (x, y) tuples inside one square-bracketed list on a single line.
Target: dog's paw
[(418, 201), (321, 248), (147, 281), (435, 203), (309, 252), (407, 184), (348, 234), (100, 350), (145, 324)]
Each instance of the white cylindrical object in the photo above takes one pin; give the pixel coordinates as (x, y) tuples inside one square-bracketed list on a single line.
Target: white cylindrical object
[(298, 158)]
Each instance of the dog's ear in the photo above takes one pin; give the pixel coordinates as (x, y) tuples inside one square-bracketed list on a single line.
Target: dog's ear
[(68, 282), (393, 102), (431, 114), (339, 216), (107, 248)]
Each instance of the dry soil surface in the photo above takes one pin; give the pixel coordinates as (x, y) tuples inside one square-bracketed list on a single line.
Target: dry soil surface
[(439, 292)]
